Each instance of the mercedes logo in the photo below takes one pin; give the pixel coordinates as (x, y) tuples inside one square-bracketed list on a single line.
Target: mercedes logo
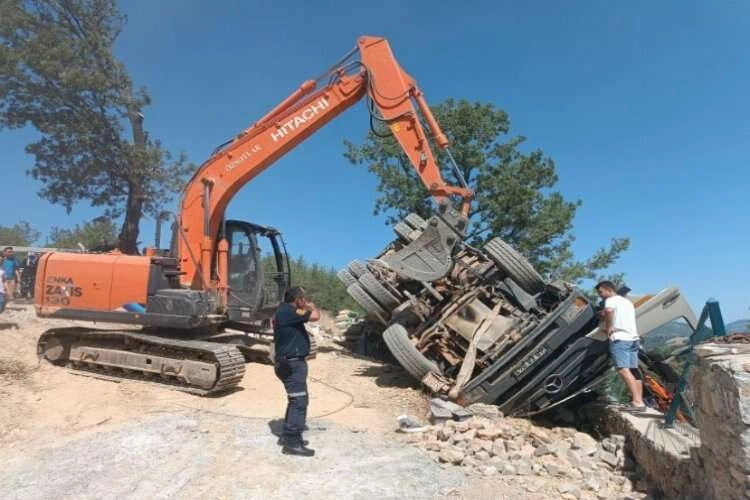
[(553, 384)]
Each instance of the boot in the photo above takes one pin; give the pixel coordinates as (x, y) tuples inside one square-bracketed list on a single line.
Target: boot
[(297, 447), (282, 441)]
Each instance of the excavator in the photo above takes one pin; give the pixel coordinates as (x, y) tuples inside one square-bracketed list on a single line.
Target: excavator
[(212, 277)]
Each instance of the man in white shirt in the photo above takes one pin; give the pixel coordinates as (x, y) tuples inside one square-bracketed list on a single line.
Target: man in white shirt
[(618, 321)]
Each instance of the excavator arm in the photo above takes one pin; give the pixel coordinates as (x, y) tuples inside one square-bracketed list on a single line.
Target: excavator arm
[(377, 76)]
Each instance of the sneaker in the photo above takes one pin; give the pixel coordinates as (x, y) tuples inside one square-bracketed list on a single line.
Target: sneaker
[(631, 408)]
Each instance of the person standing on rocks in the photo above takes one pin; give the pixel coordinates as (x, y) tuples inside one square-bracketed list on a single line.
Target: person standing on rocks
[(291, 347), (618, 320)]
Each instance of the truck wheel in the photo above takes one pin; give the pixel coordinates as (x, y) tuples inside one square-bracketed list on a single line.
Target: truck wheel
[(397, 339), (518, 268), (416, 221), (357, 269), (368, 303), (346, 277), (371, 285)]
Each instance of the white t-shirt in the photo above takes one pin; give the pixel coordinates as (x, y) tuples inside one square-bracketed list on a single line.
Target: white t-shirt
[(623, 318)]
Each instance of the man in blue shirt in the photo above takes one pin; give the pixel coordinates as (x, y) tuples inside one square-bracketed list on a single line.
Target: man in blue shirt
[(292, 346), (10, 271)]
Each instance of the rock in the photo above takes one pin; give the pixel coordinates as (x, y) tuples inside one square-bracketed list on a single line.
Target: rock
[(508, 470), (470, 462), (609, 458), (620, 480), (513, 445), (540, 436), (553, 468), (496, 461), (609, 445), (547, 449), (461, 426), (474, 447), (486, 445), (527, 450), (451, 456), (575, 458), (523, 467), (485, 410), (478, 423), (461, 444), (604, 494), (537, 469), (591, 452), (569, 489), (487, 470), (583, 441), (432, 446), (498, 448), (574, 473), (592, 483), (482, 456), (444, 433), (491, 433), (464, 436)]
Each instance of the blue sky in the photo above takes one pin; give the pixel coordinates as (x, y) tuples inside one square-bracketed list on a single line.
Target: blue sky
[(642, 105)]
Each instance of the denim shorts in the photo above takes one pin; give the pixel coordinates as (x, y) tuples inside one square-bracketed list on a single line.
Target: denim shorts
[(624, 353)]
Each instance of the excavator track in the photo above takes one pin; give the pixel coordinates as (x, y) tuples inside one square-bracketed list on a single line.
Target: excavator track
[(193, 366)]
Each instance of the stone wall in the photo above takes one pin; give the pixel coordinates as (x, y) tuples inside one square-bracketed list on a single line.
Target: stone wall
[(721, 388), (711, 460)]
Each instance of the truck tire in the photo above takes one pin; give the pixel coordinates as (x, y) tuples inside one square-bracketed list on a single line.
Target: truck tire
[(416, 221), (372, 286), (518, 268), (397, 339), (368, 303), (346, 277), (357, 269)]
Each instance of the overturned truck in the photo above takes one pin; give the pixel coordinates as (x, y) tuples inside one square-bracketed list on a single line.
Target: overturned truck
[(481, 324)]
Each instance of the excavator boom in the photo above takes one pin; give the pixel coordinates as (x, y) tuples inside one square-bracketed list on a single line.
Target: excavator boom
[(377, 76)]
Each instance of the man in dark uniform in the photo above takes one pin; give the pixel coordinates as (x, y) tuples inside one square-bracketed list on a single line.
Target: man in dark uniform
[(292, 346)]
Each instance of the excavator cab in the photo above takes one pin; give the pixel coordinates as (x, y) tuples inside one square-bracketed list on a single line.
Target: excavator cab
[(258, 271)]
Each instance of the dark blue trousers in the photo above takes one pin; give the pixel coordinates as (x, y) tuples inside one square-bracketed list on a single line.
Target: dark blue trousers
[(293, 374)]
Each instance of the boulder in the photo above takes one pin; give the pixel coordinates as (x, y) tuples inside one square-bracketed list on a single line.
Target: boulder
[(491, 433), (487, 470), (498, 448), (452, 456), (583, 441)]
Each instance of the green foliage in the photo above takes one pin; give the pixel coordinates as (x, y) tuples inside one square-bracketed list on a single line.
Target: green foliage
[(94, 233), (59, 75), (320, 282), (20, 234), (514, 190)]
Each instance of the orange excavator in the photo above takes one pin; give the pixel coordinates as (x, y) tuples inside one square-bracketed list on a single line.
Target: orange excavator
[(212, 277)]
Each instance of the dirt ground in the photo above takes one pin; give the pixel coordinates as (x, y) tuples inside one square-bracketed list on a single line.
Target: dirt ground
[(69, 436)]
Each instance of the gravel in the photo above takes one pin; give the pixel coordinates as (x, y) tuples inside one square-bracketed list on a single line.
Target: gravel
[(192, 455)]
